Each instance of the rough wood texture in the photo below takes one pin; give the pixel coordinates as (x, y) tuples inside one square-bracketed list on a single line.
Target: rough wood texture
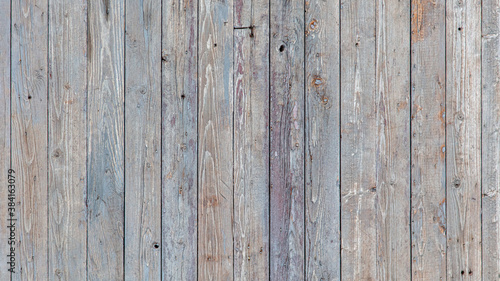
[(179, 139), (4, 132), (287, 255), (215, 136), (143, 140), (393, 140), (490, 139), (251, 140), (105, 140), (67, 140), (428, 150), (463, 139), (359, 148), (322, 152), (29, 135)]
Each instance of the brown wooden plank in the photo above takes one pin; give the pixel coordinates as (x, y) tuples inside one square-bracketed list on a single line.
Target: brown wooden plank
[(9, 191), (287, 140), (428, 167), (322, 189), (215, 136), (393, 140), (251, 140), (67, 140), (490, 139), (359, 148), (463, 139), (105, 140), (143, 140), (179, 139), (29, 135)]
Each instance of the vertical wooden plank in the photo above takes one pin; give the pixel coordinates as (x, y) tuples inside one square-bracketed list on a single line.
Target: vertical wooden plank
[(359, 148), (29, 135), (491, 139), (322, 189), (143, 140), (251, 140), (179, 139), (5, 136), (463, 139), (215, 136), (287, 140), (67, 140), (428, 167), (105, 140), (393, 140)]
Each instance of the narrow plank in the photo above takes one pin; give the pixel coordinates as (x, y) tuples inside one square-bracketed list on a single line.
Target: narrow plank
[(428, 167), (251, 140), (215, 136), (143, 140), (393, 140), (463, 139), (105, 140), (29, 135), (287, 140), (490, 139), (322, 72), (5, 136), (67, 140), (359, 148), (179, 139)]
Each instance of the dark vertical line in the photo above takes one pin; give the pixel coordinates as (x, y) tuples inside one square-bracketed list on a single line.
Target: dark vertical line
[(87, 127), (48, 131), (304, 139), (10, 94), (124, 133), (161, 142), (234, 102), (197, 136), (411, 141), (340, 137), (269, 137), (481, 142), (445, 134)]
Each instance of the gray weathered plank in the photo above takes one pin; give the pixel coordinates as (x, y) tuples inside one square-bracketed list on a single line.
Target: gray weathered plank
[(105, 140), (215, 136), (463, 139), (359, 148), (67, 140), (491, 139), (287, 239), (5, 135), (29, 135), (393, 140), (322, 153), (428, 167), (143, 140), (179, 139), (251, 140)]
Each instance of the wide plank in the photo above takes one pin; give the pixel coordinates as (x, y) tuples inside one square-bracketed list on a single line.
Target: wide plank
[(143, 140), (251, 140), (67, 140), (215, 140), (105, 174), (29, 122), (322, 133), (428, 150)]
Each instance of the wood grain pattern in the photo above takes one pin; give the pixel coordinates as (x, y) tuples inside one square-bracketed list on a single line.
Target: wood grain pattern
[(287, 140), (359, 148), (5, 133), (322, 153), (215, 136), (29, 135), (393, 140), (463, 139), (67, 140), (143, 140), (490, 132), (179, 140), (105, 140), (428, 150), (251, 140)]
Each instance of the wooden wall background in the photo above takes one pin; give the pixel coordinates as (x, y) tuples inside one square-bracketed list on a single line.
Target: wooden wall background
[(251, 139)]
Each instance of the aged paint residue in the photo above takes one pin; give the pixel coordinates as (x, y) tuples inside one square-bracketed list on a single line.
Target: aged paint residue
[(417, 18)]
